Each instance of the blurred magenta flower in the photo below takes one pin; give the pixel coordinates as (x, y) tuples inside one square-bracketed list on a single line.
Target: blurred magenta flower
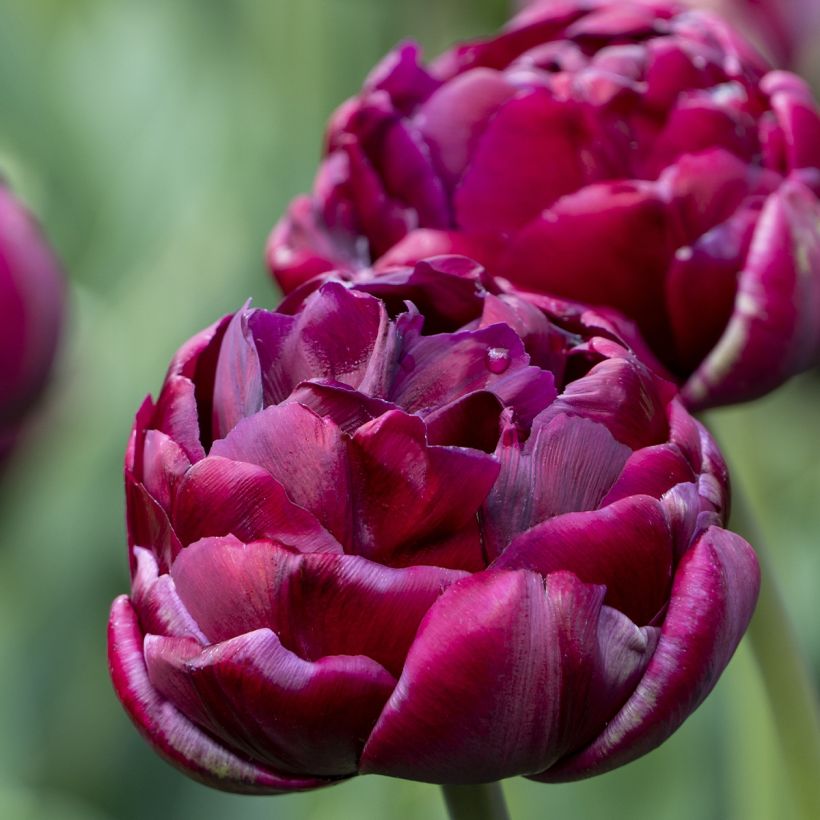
[(783, 28), (32, 303), (421, 527), (629, 154)]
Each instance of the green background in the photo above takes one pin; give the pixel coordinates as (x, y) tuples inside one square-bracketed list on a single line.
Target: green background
[(159, 140)]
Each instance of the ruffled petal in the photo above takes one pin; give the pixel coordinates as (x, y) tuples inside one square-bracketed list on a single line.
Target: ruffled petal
[(621, 394), (568, 464), (626, 547), (318, 605), (712, 601), (406, 492), (281, 711), (172, 735), (223, 497), (305, 453)]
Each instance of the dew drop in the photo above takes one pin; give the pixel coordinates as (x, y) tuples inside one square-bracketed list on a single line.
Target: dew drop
[(498, 359), (684, 254)]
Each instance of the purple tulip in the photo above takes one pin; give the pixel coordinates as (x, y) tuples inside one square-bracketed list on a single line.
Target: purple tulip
[(421, 527), (628, 154), (32, 296)]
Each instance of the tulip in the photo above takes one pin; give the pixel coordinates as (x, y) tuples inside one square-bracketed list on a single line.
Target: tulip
[(420, 526), (782, 28), (32, 296), (627, 154)]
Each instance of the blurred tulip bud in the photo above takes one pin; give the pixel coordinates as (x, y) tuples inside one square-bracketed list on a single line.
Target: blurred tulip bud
[(32, 303), (629, 154), (421, 527)]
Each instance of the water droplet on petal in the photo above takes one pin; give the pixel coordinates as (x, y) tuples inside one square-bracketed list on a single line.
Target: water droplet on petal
[(498, 359)]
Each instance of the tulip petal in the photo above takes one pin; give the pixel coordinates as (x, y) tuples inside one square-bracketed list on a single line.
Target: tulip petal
[(164, 463), (626, 547), (173, 736), (505, 661), (148, 524), (156, 602), (454, 117), (568, 464), (223, 497), (318, 605), (651, 471), (304, 453), (341, 335), (471, 421), (271, 333), (702, 282), (436, 370), (347, 408), (774, 330), (622, 395), (407, 492), (176, 415), (532, 152), (584, 248), (712, 601), (446, 290), (278, 709), (238, 382)]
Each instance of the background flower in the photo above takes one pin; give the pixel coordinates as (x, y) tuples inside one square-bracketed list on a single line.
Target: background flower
[(631, 154), (454, 540), (32, 295)]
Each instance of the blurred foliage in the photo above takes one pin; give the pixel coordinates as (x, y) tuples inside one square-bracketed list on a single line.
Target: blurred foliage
[(159, 140)]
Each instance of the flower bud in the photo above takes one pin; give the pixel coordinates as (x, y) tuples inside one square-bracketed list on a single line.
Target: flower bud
[(630, 154), (32, 296), (421, 527)]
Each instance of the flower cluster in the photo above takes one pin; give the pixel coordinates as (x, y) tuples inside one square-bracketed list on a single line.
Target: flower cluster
[(632, 154), (399, 523)]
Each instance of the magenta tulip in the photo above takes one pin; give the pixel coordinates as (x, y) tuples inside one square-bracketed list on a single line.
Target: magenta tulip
[(628, 154), (421, 527), (783, 28), (32, 297)]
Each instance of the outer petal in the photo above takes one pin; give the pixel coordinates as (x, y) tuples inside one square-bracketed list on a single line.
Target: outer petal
[(626, 547), (712, 601), (302, 716), (318, 604), (774, 331), (499, 680), (174, 737)]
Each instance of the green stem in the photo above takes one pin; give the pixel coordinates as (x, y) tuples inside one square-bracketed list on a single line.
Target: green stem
[(788, 683), (482, 802)]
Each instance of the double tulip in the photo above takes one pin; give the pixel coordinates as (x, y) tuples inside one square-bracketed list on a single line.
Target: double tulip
[(632, 154), (422, 527), (32, 299)]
